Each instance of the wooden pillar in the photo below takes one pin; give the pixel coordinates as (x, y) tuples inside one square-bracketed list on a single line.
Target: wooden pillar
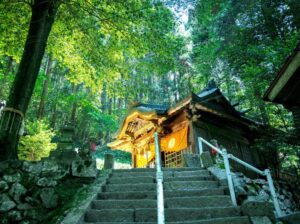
[(193, 138), (133, 158)]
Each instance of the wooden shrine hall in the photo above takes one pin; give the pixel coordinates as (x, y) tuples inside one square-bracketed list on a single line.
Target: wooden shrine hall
[(207, 114)]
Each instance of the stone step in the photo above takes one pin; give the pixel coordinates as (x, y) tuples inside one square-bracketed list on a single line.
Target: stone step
[(189, 178), (191, 173), (193, 193), (173, 185), (183, 169), (167, 194), (180, 202), (186, 214), (127, 180), (110, 215), (124, 204), (178, 215), (154, 170), (133, 170), (190, 185), (199, 202), (130, 187), (120, 195), (226, 220), (167, 173), (132, 174), (149, 179)]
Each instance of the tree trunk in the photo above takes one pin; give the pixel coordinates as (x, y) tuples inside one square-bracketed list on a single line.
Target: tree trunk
[(267, 11), (8, 69), (73, 113), (260, 104), (109, 106), (74, 106), (45, 88), (103, 98), (43, 15), (54, 116)]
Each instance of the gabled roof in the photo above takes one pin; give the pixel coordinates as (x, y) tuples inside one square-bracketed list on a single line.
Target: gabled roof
[(285, 88), (215, 99), (159, 109)]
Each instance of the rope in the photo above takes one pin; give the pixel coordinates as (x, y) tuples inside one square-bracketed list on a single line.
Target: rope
[(14, 111), (11, 118)]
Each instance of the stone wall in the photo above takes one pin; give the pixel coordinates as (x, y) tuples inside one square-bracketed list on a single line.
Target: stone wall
[(33, 192), (249, 190)]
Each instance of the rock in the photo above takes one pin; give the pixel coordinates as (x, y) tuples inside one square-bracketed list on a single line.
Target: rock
[(291, 219), (206, 159), (45, 182), (6, 203), (16, 191), (26, 222), (266, 188), (3, 186), (3, 166), (281, 205), (285, 192), (32, 214), (84, 168), (49, 198), (32, 167), (12, 178), (52, 170), (14, 216), (239, 174), (257, 208), (263, 195), (288, 211), (24, 206), (30, 199), (220, 174), (289, 194), (240, 191), (248, 180), (237, 181), (260, 220), (15, 164), (288, 203), (251, 190), (260, 181), (191, 160), (108, 161)]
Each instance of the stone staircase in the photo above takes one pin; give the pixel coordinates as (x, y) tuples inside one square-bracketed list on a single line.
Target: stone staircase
[(192, 195)]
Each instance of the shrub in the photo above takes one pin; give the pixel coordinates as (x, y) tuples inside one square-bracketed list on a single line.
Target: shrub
[(37, 143)]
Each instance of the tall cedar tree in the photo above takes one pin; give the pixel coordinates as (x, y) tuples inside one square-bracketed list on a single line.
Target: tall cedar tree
[(42, 18)]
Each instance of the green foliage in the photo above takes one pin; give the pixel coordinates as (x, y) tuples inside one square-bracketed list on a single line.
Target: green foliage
[(242, 44), (119, 156), (281, 150), (37, 144)]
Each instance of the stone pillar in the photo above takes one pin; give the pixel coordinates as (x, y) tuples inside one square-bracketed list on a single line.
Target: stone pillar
[(108, 161), (65, 152)]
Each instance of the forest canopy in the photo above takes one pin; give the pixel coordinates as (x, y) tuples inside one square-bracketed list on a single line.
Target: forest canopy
[(101, 56)]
